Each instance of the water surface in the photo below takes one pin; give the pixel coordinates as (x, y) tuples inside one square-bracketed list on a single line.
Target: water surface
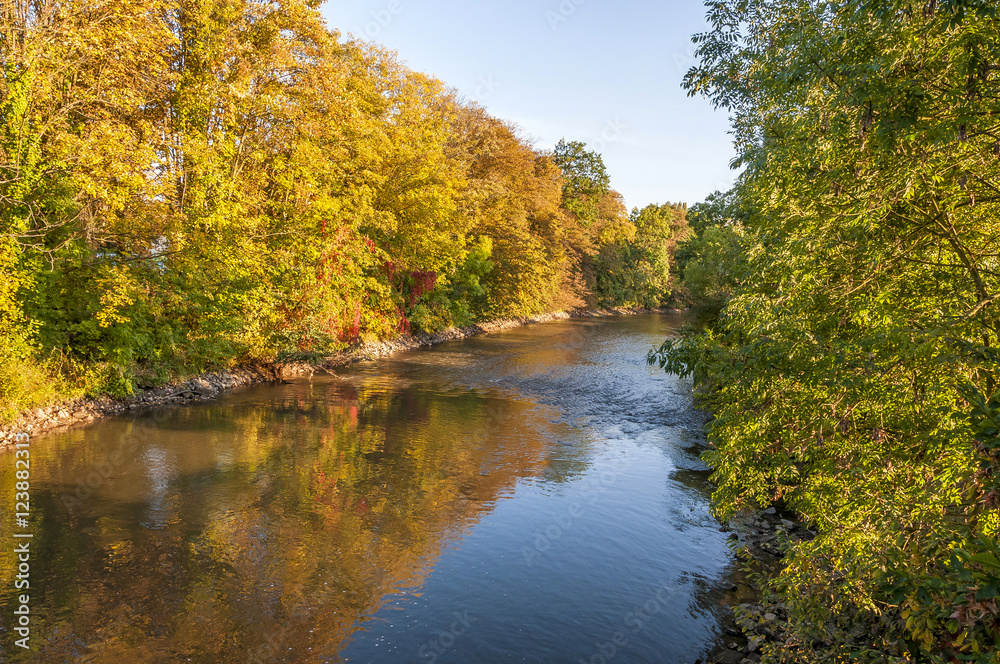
[(528, 496)]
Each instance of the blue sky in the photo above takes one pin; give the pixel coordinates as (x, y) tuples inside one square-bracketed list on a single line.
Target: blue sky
[(606, 72)]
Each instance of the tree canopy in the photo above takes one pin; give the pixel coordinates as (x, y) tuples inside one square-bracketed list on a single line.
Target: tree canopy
[(195, 183), (853, 368)]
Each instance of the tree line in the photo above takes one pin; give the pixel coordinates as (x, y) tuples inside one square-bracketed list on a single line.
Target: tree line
[(193, 183), (850, 340)]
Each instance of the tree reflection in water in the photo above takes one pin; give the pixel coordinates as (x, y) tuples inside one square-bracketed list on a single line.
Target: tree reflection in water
[(242, 531)]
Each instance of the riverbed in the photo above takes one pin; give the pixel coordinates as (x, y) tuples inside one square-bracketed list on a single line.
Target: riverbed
[(533, 495)]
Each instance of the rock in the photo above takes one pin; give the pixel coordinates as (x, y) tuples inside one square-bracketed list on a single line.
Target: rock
[(81, 414), (39, 413), (729, 657), (770, 511), (787, 524), (770, 617)]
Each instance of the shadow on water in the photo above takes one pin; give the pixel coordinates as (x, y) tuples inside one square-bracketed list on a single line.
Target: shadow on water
[(530, 496)]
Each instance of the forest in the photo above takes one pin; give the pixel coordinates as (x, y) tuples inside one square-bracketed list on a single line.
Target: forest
[(197, 184), (189, 184), (848, 291)]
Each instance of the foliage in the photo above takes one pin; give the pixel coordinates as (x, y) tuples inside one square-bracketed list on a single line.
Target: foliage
[(623, 260), (853, 370), (710, 261), (635, 270), (195, 183), (586, 180)]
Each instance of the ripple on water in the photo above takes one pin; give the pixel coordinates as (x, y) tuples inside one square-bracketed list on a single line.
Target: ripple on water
[(524, 496)]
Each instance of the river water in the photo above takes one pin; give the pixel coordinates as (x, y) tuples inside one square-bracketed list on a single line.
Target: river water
[(529, 496)]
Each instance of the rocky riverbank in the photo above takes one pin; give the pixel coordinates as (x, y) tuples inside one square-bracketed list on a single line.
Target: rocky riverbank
[(760, 540), (759, 622), (210, 385)]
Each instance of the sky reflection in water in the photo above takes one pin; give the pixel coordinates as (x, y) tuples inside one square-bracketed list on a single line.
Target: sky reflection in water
[(518, 497)]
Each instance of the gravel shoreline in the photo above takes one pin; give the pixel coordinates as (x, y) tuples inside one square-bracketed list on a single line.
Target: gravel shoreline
[(210, 385), (760, 537)]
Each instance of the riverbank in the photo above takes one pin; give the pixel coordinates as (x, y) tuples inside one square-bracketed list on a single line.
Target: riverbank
[(761, 541), (209, 385), (765, 622)]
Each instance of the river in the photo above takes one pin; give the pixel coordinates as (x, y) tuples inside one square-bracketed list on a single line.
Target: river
[(533, 495)]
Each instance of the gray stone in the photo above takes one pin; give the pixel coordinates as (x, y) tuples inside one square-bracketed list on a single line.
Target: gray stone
[(729, 657)]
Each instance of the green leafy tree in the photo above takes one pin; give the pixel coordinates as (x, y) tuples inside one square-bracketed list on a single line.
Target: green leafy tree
[(710, 260), (636, 270), (586, 180), (852, 366)]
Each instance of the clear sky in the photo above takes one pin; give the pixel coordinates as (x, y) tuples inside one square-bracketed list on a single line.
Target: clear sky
[(606, 72)]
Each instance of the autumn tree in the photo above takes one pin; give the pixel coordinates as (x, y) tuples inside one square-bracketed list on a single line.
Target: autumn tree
[(197, 183)]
